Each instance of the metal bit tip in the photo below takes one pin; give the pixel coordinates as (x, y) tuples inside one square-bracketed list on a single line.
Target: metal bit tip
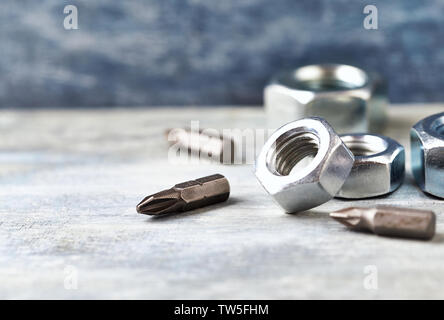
[(160, 203), (349, 217)]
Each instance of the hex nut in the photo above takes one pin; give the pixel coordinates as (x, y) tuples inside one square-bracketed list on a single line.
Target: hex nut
[(378, 169), (303, 164), (350, 99), (427, 154)]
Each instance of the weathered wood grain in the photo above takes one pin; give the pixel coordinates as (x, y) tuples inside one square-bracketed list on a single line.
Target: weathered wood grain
[(70, 180)]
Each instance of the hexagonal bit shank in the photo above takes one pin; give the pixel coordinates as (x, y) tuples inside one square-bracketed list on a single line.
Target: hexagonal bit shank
[(389, 221), (187, 196)]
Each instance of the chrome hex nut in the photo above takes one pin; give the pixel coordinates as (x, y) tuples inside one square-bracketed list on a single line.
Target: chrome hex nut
[(427, 154), (303, 164), (378, 169), (350, 99)]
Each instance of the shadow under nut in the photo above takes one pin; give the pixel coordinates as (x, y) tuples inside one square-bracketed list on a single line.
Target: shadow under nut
[(427, 154), (378, 169)]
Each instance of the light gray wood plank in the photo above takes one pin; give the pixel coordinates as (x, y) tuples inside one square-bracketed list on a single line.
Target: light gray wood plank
[(70, 181)]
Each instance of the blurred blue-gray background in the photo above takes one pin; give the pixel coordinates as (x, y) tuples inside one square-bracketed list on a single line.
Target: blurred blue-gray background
[(182, 52)]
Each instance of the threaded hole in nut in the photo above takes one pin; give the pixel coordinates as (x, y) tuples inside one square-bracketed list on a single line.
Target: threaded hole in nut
[(438, 126), (292, 151), (364, 145), (325, 78), (325, 85)]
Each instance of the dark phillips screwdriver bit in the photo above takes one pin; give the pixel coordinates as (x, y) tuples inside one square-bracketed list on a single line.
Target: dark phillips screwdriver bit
[(187, 196), (389, 221)]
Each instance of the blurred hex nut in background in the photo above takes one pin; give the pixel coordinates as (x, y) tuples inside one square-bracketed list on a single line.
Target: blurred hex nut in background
[(303, 164), (350, 99), (378, 168), (427, 144)]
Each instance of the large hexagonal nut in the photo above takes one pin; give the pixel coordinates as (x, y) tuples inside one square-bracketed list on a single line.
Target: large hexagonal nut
[(350, 99), (303, 164), (427, 154), (378, 169)]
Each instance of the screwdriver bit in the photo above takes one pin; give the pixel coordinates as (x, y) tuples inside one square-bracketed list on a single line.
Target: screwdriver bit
[(203, 144), (186, 196), (389, 221)]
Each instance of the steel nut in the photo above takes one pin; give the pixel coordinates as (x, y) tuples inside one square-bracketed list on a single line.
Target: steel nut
[(378, 169), (427, 152), (350, 99), (303, 164)]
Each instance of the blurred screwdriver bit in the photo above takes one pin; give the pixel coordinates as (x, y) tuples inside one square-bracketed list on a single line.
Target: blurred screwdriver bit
[(203, 144), (187, 196), (389, 221)]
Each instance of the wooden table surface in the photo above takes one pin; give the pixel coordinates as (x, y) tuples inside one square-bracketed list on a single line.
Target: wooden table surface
[(70, 181)]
